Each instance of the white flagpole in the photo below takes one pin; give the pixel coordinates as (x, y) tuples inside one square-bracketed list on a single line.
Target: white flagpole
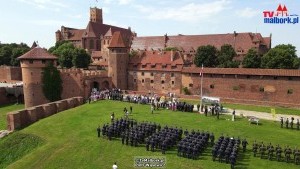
[(201, 88)]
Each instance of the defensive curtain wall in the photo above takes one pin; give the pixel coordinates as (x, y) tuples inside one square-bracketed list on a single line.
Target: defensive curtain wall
[(79, 82), (277, 87), (23, 118)]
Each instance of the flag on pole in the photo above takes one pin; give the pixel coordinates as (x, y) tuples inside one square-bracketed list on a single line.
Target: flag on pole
[(273, 111), (201, 71)]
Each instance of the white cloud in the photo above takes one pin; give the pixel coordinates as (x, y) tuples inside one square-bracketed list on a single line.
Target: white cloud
[(247, 13), (124, 2), (48, 22), (120, 2), (45, 4), (191, 12)]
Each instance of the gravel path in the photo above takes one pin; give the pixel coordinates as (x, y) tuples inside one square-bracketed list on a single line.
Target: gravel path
[(263, 115)]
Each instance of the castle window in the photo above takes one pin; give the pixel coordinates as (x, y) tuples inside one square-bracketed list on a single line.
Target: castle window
[(164, 66), (275, 77), (152, 81), (143, 73), (153, 66), (191, 85), (174, 67), (143, 80), (43, 61), (173, 82), (31, 61), (134, 80), (91, 44), (163, 75), (143, 66), (162, 82), (172, 74), (151, 74)]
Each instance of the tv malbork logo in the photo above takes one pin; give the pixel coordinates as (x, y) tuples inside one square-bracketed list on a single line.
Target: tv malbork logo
[(280, 16)]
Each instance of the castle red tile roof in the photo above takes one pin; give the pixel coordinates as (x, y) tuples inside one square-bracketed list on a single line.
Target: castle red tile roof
[(117, 41), (95, 29), (244, 71), (156, 61), (37, 53), (76, 34), (244, 41)]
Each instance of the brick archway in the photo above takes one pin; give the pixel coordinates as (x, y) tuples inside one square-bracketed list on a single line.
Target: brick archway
[(105, 85)]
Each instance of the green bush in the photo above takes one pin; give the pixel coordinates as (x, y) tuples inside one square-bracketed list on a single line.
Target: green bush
[(186, 91), (236, 87)]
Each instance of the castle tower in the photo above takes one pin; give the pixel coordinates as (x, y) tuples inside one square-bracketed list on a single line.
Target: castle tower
[(118, 61), (32, 64), (96, 15), (58, 36)]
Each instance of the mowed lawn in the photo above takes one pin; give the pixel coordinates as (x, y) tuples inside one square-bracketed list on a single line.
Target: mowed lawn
[(6, 109), (70, 139)]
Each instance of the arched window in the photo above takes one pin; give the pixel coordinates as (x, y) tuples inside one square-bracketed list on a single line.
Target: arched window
[(91, 44)]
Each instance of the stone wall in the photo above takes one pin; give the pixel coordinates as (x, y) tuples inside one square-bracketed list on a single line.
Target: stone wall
[(10, 74), (22, 118)]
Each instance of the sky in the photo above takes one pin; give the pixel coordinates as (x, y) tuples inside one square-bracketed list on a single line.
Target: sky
[(37, 20)]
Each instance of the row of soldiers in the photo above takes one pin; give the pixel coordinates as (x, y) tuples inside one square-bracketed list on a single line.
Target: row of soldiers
[(194, 144), (138, 133), (290, 123), (270, 150), (164, 139), (116, 127), (226, 149)]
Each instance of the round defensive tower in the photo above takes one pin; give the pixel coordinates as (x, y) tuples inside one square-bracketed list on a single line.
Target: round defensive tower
[(32, 64)]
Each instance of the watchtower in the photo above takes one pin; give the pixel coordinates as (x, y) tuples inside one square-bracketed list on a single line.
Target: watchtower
[(118, 61), (32, 64), (96, 15)]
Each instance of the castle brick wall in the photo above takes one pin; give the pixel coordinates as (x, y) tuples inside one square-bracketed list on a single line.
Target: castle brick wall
[(246, 89), (23, 118), (155, 81), (10, 74)]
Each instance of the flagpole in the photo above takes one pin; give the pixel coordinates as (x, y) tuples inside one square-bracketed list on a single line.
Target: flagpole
[(201, 88)]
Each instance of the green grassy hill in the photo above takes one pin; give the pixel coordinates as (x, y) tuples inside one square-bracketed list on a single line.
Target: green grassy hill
[(69, 140)]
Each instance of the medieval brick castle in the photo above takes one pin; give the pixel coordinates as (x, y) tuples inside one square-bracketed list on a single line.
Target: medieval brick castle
[(122, 59)]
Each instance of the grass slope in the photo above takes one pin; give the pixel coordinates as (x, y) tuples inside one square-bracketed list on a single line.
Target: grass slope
[(70, 139), (6, 109)]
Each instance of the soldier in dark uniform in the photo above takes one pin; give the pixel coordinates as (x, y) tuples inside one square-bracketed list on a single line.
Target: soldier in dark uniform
[(287, 123), (254, 148), (287, 153), (123, 137), (270, 152), (232, 161), (164, 147), (292, 122), (244, 144), (278, 152), (127, 140), (130, 109), (98, 131), (205, 110), (281, 122), (262, 150), (212, 139), (297, 124)]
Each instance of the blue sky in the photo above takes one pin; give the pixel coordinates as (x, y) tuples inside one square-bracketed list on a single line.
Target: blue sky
[(30, 20)]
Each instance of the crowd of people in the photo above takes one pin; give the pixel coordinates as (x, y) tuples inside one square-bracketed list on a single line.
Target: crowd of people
[(194, 144), (227, 149), (289, 123), (269, 150)]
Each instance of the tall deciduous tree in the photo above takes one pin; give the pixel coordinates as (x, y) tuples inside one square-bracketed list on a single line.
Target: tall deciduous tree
[(9, 53), (281, 57), (252, 59), (206, 55), (69, 56), (51, 83), (226, 57)]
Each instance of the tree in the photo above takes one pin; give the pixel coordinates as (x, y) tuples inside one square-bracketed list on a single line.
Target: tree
[(281, 57), (10, 52), (206, 55), (252, 59), (226, 57), (81, 59), (51, 83), (69, 56)]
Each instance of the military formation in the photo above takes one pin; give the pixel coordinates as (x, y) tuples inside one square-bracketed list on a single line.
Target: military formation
[(289, 123), (194, 144), (276, 153), (226, 150)]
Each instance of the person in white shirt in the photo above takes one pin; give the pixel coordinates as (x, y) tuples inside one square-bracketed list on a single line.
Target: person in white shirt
[(115, 166)]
